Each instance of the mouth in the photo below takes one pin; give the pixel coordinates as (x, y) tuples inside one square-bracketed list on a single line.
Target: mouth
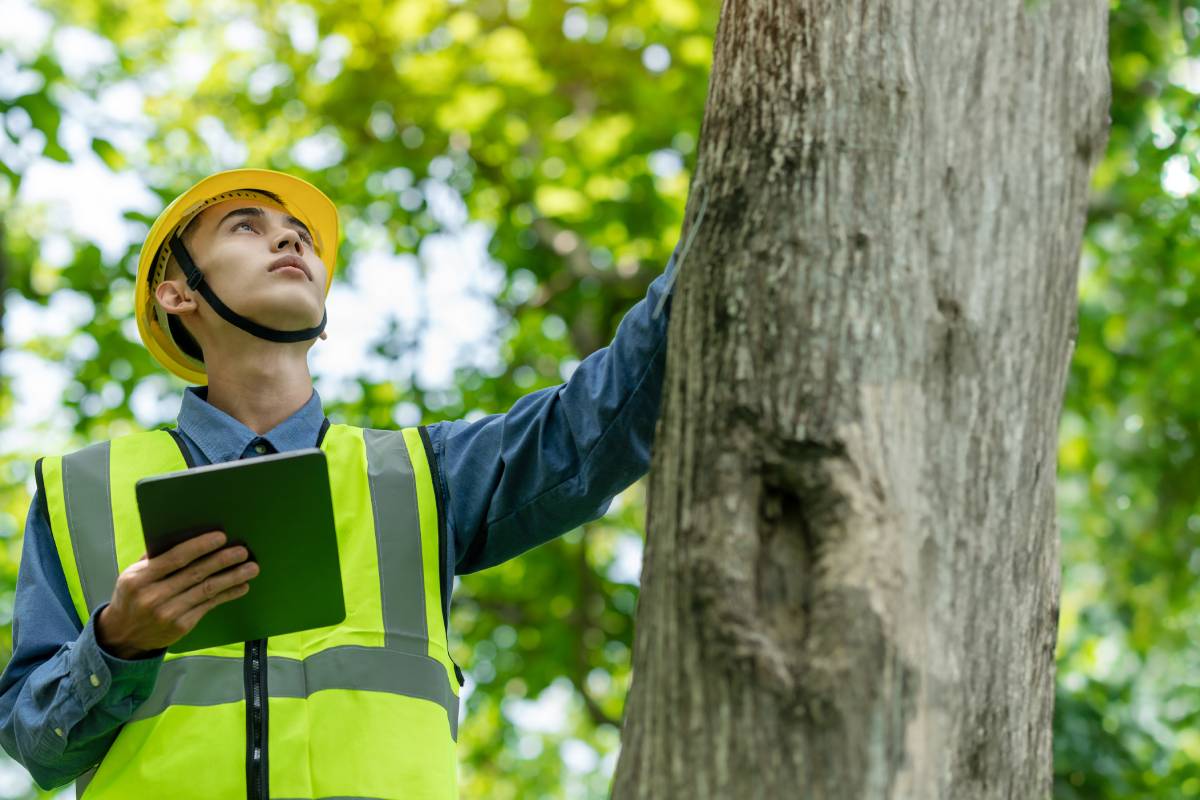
[(290, 261)]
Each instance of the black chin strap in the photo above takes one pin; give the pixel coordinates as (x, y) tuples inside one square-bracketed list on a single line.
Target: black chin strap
[(195, 281)]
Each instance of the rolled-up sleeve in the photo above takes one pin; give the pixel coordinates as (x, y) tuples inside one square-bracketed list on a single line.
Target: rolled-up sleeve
[(556, 459), (63, 698)]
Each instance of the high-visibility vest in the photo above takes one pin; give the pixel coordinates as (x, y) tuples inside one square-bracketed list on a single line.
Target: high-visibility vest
[(365, 709)]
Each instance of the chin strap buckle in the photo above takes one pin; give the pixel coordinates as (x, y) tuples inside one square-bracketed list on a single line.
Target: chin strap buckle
[(194, 276)]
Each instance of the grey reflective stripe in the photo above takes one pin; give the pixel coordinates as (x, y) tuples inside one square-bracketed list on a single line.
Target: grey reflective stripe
[(398, 538), (81, 783), (195, 681), (213, 680), (88, 501)]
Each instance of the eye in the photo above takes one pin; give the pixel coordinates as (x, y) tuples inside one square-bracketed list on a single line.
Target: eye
[(240, 224)]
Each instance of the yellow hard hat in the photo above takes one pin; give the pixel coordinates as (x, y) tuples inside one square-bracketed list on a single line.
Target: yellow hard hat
[(299, 197)]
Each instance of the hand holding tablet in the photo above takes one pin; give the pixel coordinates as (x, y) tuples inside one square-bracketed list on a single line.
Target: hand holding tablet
[(275, 511), (159, 600)]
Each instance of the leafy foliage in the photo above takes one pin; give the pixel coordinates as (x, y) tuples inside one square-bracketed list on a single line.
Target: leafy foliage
[(564, 131), (1128, 701)]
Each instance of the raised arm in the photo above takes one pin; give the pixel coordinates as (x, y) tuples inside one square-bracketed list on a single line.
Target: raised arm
[(559, 456)]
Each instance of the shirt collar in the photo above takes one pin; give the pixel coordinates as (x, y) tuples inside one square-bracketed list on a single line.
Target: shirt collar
[(223, 438)]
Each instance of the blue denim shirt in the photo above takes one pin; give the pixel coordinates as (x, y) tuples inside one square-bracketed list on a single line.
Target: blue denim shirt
[(512, 481)]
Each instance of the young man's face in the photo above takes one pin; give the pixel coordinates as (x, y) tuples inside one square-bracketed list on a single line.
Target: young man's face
[(236, 243)]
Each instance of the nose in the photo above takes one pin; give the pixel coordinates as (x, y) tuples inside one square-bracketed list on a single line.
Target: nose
[(289, 237)]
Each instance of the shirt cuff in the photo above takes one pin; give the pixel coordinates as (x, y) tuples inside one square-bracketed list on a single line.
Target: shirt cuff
[(97, 674)]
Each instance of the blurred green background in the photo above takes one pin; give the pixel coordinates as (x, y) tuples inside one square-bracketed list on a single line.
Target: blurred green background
[(511, 175)]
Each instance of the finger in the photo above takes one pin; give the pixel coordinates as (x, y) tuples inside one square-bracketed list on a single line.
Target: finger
[(179, 582), (193, 616), (209, 588), (135, 575), (184, 553)]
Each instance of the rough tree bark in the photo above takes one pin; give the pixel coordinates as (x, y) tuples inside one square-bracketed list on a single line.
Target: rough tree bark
[(851, 575)]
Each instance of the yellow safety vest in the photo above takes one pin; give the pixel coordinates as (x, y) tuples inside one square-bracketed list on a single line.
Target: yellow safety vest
[(364, 709)]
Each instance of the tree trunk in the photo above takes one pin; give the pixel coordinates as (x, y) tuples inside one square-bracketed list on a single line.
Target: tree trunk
[(851, 574)]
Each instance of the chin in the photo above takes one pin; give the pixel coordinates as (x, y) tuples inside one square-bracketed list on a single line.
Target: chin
[(283, 313)]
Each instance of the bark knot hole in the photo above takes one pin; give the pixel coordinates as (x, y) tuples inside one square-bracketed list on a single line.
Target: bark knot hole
[(753, 582), (949, 308)]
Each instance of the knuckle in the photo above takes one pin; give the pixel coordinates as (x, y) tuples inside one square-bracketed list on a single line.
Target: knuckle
[(141, 601)]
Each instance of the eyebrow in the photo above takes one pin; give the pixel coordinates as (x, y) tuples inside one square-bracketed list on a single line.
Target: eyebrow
[(255, 211)]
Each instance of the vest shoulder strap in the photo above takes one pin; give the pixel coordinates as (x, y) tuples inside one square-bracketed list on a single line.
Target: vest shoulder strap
[(84, 491), (411, 450)]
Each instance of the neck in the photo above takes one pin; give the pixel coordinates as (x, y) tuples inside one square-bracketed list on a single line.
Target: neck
[(260, 385)]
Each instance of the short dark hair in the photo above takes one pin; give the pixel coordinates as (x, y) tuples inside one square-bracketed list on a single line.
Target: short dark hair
[(187, 343)]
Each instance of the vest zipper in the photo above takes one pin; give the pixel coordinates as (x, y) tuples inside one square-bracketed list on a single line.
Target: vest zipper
[(255, 672)]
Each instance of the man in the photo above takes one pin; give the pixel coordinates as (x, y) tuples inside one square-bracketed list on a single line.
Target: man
[(230, 295)]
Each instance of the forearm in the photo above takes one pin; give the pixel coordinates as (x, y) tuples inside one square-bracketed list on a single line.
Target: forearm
[(62, 697), (60, 718), (556, 459)]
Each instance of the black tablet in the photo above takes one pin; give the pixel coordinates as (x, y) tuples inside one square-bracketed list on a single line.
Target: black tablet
[(279, 507)]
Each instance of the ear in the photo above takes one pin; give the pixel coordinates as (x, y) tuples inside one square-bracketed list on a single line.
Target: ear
[(174, 297), (324, 335)]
